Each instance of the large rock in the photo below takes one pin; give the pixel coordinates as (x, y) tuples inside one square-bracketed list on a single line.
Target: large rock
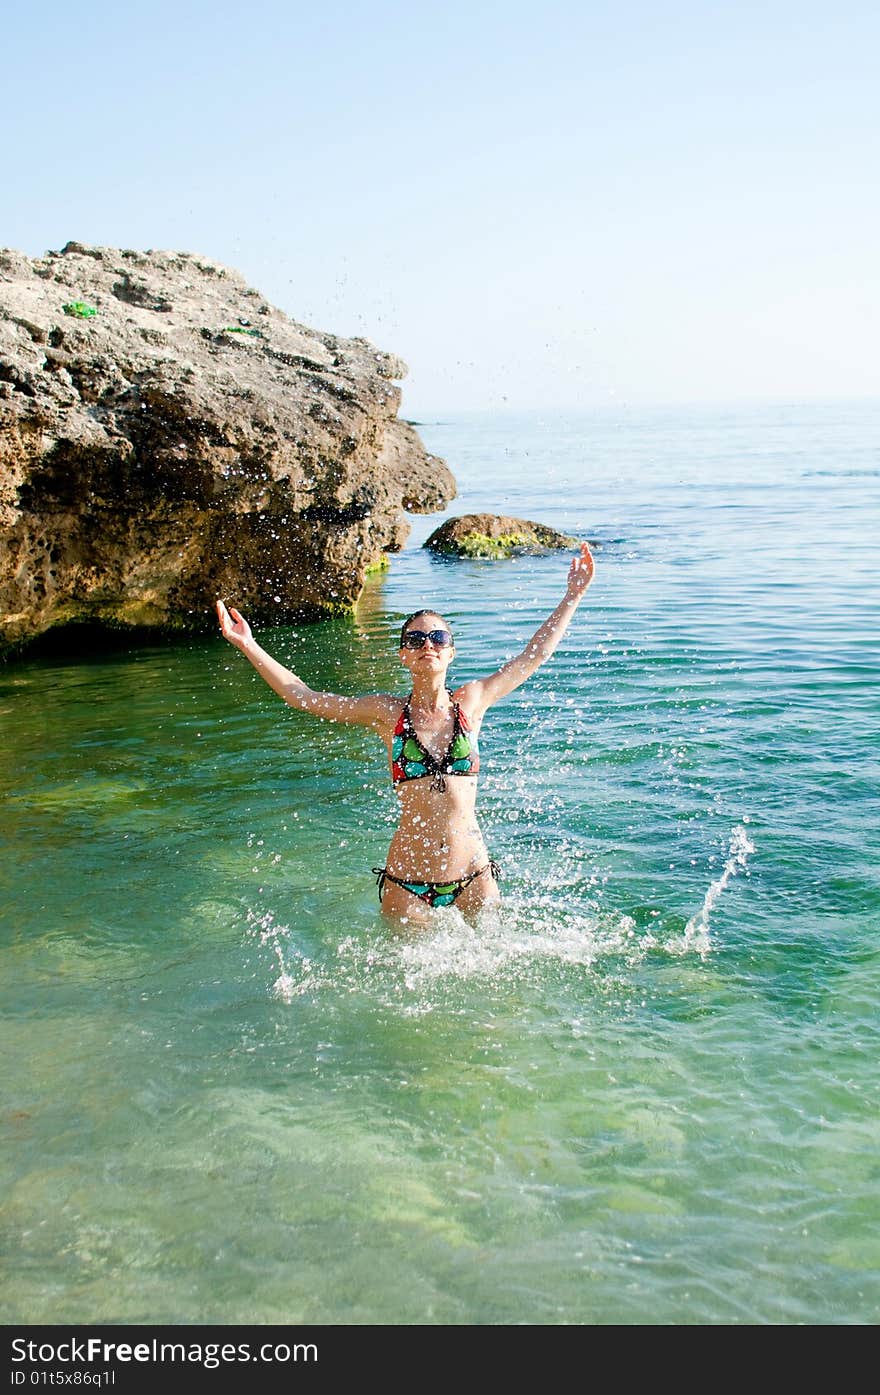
[(495, 535), (187, 441)]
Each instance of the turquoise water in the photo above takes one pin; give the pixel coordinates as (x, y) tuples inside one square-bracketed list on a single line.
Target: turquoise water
[(645, 1091)]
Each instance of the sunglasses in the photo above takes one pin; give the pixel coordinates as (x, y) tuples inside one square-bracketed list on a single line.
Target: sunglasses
[(417, 639)]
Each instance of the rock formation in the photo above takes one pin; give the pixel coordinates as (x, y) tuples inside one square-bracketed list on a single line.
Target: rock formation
[(167, 437), (495, 535)]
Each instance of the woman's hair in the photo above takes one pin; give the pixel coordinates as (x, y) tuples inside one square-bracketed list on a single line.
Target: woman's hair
[(415, 615)]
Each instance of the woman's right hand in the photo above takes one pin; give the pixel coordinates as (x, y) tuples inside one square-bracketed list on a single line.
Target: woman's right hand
[(233, 625)]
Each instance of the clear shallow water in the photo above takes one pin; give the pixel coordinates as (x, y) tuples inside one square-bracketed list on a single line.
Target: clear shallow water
[(645, 1091)]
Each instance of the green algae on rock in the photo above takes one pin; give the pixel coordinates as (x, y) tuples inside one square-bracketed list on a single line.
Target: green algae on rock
[(381, 564), (489, 535)]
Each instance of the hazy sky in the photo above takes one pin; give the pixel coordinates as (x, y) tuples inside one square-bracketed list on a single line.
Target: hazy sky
[(550, 205)]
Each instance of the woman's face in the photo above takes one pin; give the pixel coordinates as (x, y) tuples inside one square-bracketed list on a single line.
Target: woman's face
[(431, 658)]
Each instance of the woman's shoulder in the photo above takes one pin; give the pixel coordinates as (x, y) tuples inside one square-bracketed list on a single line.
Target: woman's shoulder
[(394, 703), (469, 699), (380, 709)]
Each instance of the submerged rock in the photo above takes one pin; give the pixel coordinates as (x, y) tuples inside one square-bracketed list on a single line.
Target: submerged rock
[(168, 437), (496, 535)]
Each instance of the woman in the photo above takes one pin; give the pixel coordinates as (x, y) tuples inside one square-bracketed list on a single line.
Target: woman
[(437, 855)]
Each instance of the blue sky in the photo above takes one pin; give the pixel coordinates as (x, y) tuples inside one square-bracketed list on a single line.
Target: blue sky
[(570, 205)]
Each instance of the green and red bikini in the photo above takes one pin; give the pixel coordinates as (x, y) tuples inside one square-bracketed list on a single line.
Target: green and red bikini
[(411, 760)]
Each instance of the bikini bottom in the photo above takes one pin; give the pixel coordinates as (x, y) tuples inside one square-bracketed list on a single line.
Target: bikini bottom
[(435, 893)]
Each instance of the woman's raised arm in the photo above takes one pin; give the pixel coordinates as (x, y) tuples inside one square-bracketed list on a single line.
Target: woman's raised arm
[(373, 710), (481, 693)]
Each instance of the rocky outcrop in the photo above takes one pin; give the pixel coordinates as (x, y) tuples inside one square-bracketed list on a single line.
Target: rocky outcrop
[(495, 535), (167, 437)]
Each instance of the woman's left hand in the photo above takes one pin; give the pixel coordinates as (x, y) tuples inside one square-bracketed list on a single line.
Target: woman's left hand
[(233, 625), (580, 573)]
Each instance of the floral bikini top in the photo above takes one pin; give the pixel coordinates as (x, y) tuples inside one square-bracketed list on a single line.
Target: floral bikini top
[(411, 761)]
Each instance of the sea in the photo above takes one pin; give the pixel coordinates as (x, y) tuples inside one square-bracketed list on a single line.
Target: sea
[(643, 1091)]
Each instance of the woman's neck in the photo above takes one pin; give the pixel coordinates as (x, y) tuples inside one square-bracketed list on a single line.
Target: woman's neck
[(429, 692)]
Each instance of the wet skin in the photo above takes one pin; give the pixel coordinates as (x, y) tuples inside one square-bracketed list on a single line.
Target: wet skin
[(438, 838)]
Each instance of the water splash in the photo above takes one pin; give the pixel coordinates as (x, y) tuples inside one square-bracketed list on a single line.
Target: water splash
[(696, 933), (277, 937), (510, 944)]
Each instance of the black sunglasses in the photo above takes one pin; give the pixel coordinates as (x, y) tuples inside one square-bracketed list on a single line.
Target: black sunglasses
[(417, 639)]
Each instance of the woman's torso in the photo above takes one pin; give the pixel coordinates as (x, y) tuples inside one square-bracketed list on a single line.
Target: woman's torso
[(438, 838)]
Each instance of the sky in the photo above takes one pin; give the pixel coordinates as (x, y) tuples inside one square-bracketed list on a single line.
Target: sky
[(565, 205)]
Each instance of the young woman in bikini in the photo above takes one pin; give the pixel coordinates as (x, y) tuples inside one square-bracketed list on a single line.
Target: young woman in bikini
[(437, 855)]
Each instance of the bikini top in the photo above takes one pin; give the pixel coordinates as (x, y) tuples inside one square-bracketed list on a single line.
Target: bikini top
[(411, 761)]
